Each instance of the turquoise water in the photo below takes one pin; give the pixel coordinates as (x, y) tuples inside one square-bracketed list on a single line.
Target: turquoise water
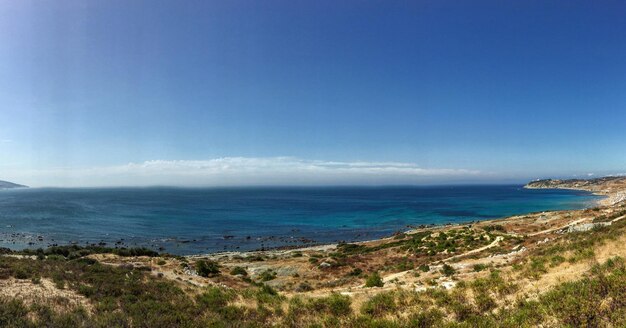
[(192, 221)]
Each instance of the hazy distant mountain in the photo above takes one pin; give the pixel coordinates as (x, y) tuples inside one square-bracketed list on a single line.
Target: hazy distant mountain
[(9, 185)]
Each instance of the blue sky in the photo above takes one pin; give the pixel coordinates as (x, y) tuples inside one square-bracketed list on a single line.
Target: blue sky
[(310, 92)]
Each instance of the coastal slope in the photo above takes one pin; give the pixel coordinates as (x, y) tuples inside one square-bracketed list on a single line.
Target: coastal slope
[(550, 269)]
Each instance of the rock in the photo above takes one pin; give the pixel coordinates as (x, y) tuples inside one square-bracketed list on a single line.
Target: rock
[(286, 271), (448, 284), (587, 226), (303, 287)]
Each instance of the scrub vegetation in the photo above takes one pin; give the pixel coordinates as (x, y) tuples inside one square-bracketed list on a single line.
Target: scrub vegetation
[(133, 296), (563, 268)]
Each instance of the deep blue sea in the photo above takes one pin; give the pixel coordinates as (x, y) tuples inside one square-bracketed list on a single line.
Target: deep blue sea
[(193, 221)]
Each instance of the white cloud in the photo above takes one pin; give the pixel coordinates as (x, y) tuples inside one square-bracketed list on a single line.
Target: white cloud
[(241, 171)]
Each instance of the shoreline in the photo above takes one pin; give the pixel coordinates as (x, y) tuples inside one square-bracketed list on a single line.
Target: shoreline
[(610, 198), (607, 201)]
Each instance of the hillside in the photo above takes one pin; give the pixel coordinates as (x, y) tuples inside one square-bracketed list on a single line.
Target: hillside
[(597, 184), (550, 269), (10, 185), (612, 187)]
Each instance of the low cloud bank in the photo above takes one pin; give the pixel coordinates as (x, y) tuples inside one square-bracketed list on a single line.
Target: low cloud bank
[(246, 171)]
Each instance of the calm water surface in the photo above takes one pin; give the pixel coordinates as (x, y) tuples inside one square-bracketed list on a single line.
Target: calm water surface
[(192, 221)]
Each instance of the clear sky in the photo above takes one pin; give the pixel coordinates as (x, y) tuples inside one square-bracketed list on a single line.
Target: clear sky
[(310, 92)]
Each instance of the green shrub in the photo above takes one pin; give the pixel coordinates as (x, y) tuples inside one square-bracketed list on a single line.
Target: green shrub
[(238, 271), (207, 268), (55, 257), (447, 270), (59, 280), (536, 267), (355, 272), (13, 313), (494, 283), (21, 273), (379, 305), (267, 275), (213, 299), (484, 302), (430, 318), (265, 289), (581, 254), (556, 260), (405, 265), (494, 227), (479, 267), (335, 304), (351, 248), (424, 268), (75, 251), (267, 295), (86, 291), (86, 260), (374, 280), (304, 287)]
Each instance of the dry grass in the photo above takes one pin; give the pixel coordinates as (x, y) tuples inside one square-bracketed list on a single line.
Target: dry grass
[(43, 291)]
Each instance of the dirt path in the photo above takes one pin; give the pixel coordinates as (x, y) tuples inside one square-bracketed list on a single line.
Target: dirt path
[(470, 252), (477, 250), (619, 218), (575, 222)]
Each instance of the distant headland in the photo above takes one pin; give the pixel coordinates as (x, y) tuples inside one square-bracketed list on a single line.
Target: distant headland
[(613, 187), (10, 185)]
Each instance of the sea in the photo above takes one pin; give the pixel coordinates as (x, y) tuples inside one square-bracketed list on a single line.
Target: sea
[(186, 221)]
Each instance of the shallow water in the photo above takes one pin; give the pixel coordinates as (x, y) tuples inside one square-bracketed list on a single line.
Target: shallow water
[(192, 221)]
